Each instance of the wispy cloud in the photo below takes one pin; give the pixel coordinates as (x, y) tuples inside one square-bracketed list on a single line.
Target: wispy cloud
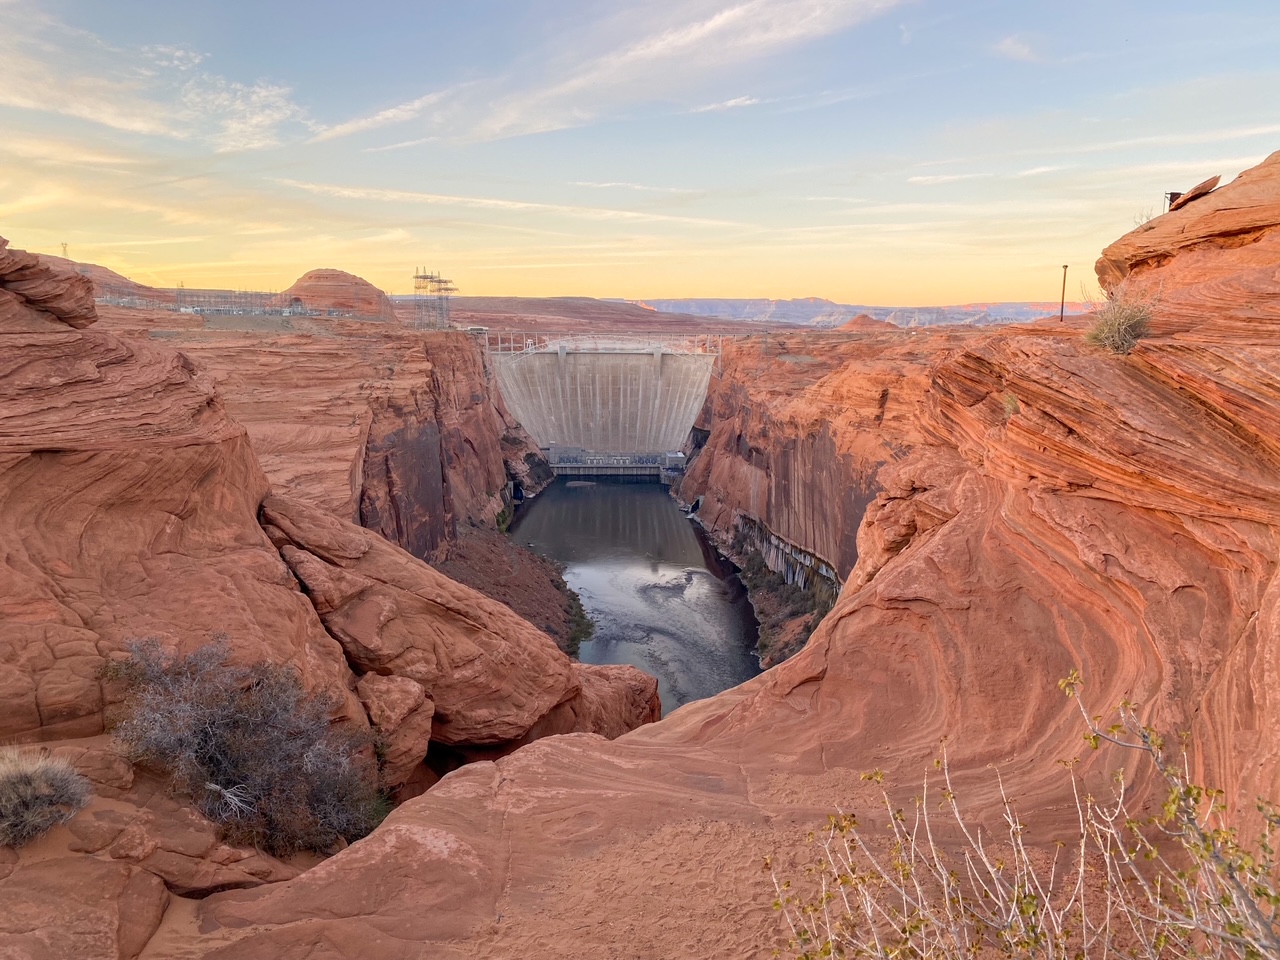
[(729, 104), (383, 118), (621, 185), (680, 42), (52, 68), (946, 178), (178, 58), (238, 116), (1014, 47), (402, 145), (340, 192), (46, 150)]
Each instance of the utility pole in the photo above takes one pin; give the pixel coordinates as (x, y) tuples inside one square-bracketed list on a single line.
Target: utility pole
[(1062, 307)]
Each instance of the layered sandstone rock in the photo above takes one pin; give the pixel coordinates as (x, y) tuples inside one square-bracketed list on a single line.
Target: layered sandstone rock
[(1209, 263), (1036, 505), (398, 431), (128, 509), (492, 678), (328, 291), (798, 427), (37, 299)]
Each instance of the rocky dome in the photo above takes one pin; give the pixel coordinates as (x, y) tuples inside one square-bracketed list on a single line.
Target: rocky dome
[(325, 290), (865, 322)]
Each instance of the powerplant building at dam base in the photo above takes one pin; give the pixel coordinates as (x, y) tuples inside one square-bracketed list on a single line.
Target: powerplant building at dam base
[(618, 407)]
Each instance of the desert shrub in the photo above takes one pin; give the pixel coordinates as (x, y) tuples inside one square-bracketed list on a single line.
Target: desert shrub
[(255, 751), (1179, 884), (1119, 325), (37, 792)]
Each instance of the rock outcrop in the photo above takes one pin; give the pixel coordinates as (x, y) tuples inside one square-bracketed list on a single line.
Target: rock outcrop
[(1209, 263), (1025, 504), (492, 678), (797, 429), (337, 292), (128, 509), (37, 299), (398, 431)]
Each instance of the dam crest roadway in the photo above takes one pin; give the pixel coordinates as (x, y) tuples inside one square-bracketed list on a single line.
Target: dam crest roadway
[(613, 405)]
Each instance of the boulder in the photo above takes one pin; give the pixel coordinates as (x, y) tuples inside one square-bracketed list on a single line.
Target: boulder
[(492, 677), (401, 714)]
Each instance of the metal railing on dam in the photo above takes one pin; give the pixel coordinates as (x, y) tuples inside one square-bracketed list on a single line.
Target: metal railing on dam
[(620, 395)]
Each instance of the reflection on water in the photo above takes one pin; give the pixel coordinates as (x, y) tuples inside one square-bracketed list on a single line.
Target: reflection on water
[(658, 596)]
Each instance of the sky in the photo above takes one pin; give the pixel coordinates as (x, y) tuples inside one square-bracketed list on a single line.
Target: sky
[(889, 152)]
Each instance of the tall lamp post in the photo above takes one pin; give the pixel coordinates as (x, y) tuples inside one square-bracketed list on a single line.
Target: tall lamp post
[(1062, 307)]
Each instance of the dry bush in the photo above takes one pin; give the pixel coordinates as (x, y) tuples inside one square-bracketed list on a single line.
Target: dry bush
[(255, 751), (37, 792), (1120, 324), (1177, 885)]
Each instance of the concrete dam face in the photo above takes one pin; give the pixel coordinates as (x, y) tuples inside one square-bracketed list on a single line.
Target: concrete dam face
[(606, 397)]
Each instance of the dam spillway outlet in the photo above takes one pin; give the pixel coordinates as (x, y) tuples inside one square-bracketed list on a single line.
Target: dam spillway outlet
[(619, 397)]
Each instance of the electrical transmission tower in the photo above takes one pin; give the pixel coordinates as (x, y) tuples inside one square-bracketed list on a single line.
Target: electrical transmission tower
[(431, 300)]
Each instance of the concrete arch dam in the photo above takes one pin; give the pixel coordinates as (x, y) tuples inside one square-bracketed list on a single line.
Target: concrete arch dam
[(605, 406)]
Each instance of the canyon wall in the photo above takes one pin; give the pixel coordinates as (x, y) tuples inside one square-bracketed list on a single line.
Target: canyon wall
[(794, 433), (399, 431), (132, 506), (1036, 505), (1033, 505)]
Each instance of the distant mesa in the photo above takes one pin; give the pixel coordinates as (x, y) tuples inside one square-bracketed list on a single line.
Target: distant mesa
[(816, 312), (336, 292)]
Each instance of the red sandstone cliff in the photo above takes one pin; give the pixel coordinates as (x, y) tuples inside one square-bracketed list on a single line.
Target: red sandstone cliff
[(129, 507), (1034, 505), (396, 430), (1212, 261)]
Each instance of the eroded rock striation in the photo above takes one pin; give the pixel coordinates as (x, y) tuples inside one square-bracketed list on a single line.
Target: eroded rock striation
[(128, 509), (1019, 504), (492, 677), (131, 505), (1033, 505), (1209, 263), (397, 431)]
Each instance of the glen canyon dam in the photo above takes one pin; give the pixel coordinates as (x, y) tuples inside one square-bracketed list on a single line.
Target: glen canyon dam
[(629, 398), (819, 498)]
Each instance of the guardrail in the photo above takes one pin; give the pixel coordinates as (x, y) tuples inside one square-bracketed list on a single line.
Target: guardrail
[(518, 343)]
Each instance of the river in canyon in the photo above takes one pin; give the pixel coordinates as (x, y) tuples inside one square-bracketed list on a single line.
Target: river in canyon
[(661, 598)]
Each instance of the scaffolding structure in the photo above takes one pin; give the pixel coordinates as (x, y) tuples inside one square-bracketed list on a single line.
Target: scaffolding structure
[(431, 294)]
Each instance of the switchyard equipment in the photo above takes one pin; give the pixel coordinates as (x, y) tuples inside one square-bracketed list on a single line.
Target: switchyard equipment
[(431, 294)]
